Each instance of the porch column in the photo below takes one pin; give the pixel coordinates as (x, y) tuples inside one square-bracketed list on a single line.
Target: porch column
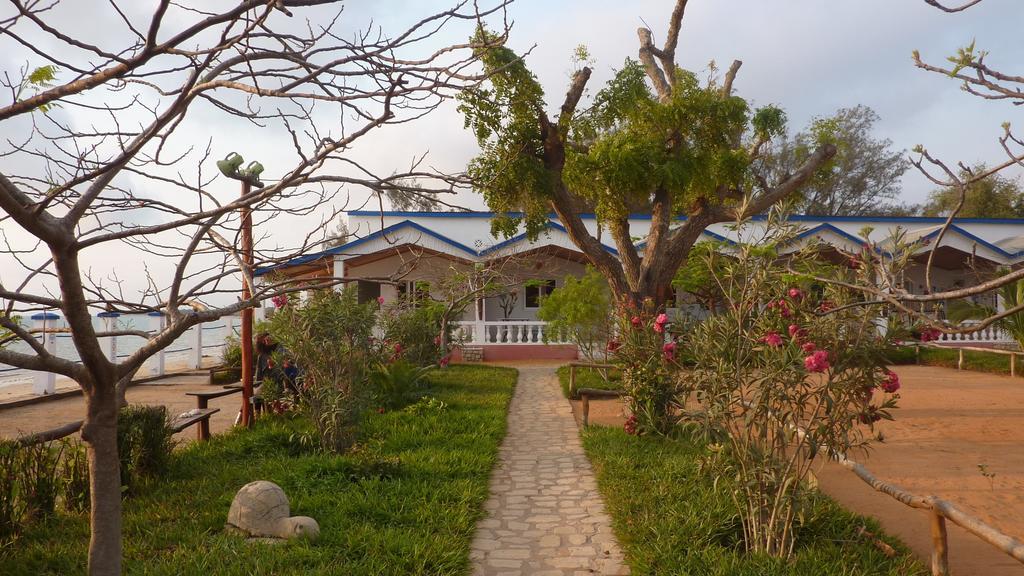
[(481, 317), (157, 325), (109, 325), (46, 382)]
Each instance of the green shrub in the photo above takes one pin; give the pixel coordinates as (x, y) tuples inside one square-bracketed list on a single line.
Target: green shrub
[(12, 508), (413, 330), (74, 476), (38, 466), (398, 383), (329, 337), (144, 443), (580, 309), (232, 352)]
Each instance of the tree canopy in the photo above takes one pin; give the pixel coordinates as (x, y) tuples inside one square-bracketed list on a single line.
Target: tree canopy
[(864, 177), (996, 196), (670, 142)]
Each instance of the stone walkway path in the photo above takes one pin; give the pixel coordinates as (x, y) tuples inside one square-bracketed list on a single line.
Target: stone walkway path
[(545, 516)]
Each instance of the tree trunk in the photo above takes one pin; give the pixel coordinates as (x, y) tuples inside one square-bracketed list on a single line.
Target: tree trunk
[(99, 432)]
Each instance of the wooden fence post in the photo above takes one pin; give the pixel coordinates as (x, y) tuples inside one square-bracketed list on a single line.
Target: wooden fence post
[(917, 354), (1013, 364), (940, 545), (572, 380), (586, 410), (960, 359)]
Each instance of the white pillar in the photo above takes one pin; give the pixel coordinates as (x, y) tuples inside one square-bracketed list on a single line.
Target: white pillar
[(157, 324), (109, 325), (46, 382), (197, 346), (480, 334)]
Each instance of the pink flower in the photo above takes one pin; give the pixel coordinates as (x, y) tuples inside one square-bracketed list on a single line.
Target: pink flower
[(817, 361), (784, 309), (825, 306), (795, 293), (280, 300), (930, 334), (772, 339), (613, 345), (380, 300), (808, 347), (659, 328), (437, 340), (669, 350), (398, 348), (443, 362), (630, 425), (891, 382), (661, 319), (635, 320)]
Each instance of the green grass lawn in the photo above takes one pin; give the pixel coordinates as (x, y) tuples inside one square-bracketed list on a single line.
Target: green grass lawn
[(670, 519), (414, 518), (589, 378), (947, 357)]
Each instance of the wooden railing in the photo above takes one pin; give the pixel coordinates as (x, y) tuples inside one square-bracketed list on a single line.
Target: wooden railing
[(572, 373), (960, 354), (940, 511)]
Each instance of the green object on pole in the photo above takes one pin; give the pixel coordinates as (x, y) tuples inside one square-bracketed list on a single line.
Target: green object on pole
[(230, 164)]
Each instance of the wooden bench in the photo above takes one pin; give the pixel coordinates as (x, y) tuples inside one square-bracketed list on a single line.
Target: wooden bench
[(203, 403), (587, 393), (572, 373), (202, 416)]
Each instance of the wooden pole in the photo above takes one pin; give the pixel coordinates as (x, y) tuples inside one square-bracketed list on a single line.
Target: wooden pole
[(572, 381), (960, 359), (247, 313), (1013, 364), (586, 410), (940, 545)]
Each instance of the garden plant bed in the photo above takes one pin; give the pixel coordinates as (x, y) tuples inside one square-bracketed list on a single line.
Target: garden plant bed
[(670, 519), (406, 501)]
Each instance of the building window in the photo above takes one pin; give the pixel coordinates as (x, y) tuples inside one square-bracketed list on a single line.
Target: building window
[(414, 290), (535, 290), (367, 291)]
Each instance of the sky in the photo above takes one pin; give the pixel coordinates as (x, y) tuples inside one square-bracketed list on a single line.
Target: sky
[(810, 57)]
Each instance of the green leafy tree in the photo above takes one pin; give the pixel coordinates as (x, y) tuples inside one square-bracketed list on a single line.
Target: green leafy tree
[(698, 275), (656, 138), (580, 308), (864, 177), (996, 196)]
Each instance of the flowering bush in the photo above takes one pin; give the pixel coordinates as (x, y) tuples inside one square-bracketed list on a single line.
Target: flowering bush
[(647, 355), (412, 329), (788, 372)]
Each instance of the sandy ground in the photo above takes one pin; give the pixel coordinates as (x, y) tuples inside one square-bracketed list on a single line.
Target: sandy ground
[(168, 391), (949, 422)]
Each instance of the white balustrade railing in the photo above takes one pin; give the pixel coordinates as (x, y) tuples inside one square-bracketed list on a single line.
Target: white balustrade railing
[(508, 332), (986, 334)]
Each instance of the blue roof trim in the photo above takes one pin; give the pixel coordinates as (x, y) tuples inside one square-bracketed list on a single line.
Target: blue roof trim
[(338, 249), (794, 218), (830, 228), (523, 236), (993, 247)]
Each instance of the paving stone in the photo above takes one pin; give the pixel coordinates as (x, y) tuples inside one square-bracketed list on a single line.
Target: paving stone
[(544, 515)]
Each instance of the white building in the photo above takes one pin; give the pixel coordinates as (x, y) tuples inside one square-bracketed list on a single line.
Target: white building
[(419, 248)]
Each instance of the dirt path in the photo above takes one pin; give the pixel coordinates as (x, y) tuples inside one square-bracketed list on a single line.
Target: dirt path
[(949, 422)]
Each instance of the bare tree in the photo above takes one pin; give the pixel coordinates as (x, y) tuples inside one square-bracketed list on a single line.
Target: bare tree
[(97, 160)]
